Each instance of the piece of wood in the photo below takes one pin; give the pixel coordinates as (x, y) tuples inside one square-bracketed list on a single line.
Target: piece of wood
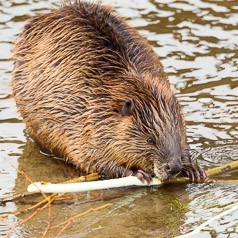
[(89, 177), (222, 169), (89, 186), (115, 183)]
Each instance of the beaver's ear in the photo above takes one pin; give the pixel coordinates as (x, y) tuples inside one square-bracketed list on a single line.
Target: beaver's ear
[(128, 107)]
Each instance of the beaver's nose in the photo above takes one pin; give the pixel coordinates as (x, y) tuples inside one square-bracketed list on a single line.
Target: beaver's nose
[(173, 167)]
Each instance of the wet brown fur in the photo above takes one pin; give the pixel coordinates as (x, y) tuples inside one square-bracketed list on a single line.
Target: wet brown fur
[(74, 69)]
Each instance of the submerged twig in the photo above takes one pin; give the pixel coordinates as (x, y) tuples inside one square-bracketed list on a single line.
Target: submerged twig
[(16, 197), (49, 221), (36, 212), (52, 197), (30, 181), (69, 221), (203, 225)]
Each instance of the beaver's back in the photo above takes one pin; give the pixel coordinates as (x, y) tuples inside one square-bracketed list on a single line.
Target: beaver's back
[(89, 36), (71, 67)]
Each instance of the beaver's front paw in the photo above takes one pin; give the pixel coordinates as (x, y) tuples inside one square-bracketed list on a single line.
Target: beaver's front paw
[(193, 172), (142, 176)]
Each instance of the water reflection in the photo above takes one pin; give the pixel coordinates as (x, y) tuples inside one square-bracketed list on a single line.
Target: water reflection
[(210, 200), (197, 42)]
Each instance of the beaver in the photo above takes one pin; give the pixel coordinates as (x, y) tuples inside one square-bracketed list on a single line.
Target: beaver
[(91, 90)]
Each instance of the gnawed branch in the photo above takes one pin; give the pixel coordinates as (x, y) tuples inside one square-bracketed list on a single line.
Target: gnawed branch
[(115, 183)]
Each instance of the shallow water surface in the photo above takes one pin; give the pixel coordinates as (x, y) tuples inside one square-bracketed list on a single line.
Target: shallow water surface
[(197, 41)]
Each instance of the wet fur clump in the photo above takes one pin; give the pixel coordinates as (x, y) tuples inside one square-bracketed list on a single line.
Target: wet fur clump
[(92, 90)]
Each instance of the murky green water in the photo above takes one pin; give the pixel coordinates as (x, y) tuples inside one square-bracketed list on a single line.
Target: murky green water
[(197, 41)]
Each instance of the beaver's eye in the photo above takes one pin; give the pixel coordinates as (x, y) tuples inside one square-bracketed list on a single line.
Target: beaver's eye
[(150, 141)]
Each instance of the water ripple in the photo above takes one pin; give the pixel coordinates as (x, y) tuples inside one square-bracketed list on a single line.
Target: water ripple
[(197, 42)]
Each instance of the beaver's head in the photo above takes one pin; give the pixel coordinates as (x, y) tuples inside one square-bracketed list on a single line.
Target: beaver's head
[(151, 135)]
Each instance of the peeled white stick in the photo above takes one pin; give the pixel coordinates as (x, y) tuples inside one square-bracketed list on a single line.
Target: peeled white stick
[(38, 187)]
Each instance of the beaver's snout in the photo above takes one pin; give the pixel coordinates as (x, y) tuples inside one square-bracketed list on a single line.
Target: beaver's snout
[(173, 167)]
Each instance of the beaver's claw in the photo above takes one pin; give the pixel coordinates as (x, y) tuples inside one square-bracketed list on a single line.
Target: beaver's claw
[(193, 172), (142, 176)]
